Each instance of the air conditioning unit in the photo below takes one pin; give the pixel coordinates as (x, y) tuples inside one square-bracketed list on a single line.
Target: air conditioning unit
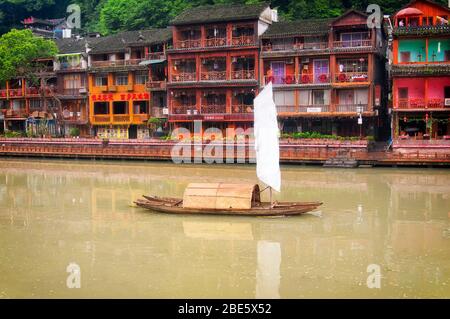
[(166, 111), (82, 90), (447, 102)]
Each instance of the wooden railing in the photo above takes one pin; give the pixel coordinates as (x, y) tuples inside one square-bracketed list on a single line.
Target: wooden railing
[(158, 112), (184, 77), (242, 108), (420, 103), (213, 76), (188, 44), (156, 85), (140, 118), (316, 108), (352, 108), (216, 42), (352, 44), (351, 77), (183, 109), (121, 118), (102, 64), (21, 113), (287, 109), (290, 79), (243, 40), (155, 56), (101, 118), (73, 116), (15, 93), (243, 75), (214, 109), (295, 47)]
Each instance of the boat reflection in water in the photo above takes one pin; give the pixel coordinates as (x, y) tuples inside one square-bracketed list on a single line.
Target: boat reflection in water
[(53, 213)]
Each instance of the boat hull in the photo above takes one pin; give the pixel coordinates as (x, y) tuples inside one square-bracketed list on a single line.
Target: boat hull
[(174, 206)]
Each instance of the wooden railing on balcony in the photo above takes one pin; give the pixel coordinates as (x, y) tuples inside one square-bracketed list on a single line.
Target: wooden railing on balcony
[(121, 118), (243, 75), (102, 64), (158, 112), (183, 109), (352, 77), (73, 116), (133, 61), (420, 103), (352, 44), (216, 42), (140, 118), (352, 108), (72, 92), (101, 118), (295, 47), (21, 113), (184, 77), (213, 76), (156, 85), (315, 108), (291, 79), (155, 56), (32, 91), (243, 40), (214, 109), (242, 108), (287, 108), (15, 93), (188, 44)]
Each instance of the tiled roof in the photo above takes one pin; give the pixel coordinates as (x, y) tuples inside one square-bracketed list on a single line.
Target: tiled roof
[(220, 13), (419, 70), (119, 42), (303, 27)]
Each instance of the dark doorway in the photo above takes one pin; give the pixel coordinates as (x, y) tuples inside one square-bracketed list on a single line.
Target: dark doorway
[(132, 132)]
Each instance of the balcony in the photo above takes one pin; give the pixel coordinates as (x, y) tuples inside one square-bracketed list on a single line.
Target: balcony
[(352, 77), (243, 40), (158, 112), (188, 44), (15, 93), (216, 42), (423, 30), (184, 77), (287, 108), (214, 109), (184, 109), (352, 108), (121, 118), (70, 116), (73, 92), (101, 119), (420, 103), (32, 92), (243, 75), (108, 63), (213, 76), (304, 79), (352, 45), (156, 85), (21, 113), (242, 108), (315, 108), (140, 118), (3, 94), (296, 47), (155, 56)]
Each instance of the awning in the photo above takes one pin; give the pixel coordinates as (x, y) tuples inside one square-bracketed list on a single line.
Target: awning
[(409, 12), (149, 62)]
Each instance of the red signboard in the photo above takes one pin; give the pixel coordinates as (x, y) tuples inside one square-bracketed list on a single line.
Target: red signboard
[(120, 97)]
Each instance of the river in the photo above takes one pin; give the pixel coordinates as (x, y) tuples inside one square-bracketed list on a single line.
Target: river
[(381, 233)]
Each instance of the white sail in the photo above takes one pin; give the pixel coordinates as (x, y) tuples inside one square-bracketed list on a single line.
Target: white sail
[(266, 139)]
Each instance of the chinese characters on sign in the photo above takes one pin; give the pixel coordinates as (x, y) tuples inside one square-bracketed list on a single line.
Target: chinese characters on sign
[(120, 97)]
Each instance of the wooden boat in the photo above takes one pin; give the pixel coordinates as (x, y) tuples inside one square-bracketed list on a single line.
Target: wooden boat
[(240, 199), (224, 199)]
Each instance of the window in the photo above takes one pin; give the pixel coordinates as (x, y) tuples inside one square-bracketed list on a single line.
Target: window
[(122, 79), (318, 97), (354, 39), (101, 80), (101, 108), (120, 107), (73, 81), (447, 92), (353, 65), (403, 93), (284, 98), (447, 55), (141, 77), (35, 105), (140, 107)]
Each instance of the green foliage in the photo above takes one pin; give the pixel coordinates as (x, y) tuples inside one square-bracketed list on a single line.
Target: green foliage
[(74, 132), (13, 134), (316, 135), (18, 49)]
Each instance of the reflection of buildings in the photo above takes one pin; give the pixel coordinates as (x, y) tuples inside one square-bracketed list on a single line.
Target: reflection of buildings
[(129, 251)]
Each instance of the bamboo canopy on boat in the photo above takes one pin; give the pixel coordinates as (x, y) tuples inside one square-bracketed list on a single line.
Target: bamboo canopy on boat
[(221, 196)]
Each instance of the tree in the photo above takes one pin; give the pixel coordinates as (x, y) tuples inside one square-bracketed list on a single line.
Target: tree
[(18, 51)]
